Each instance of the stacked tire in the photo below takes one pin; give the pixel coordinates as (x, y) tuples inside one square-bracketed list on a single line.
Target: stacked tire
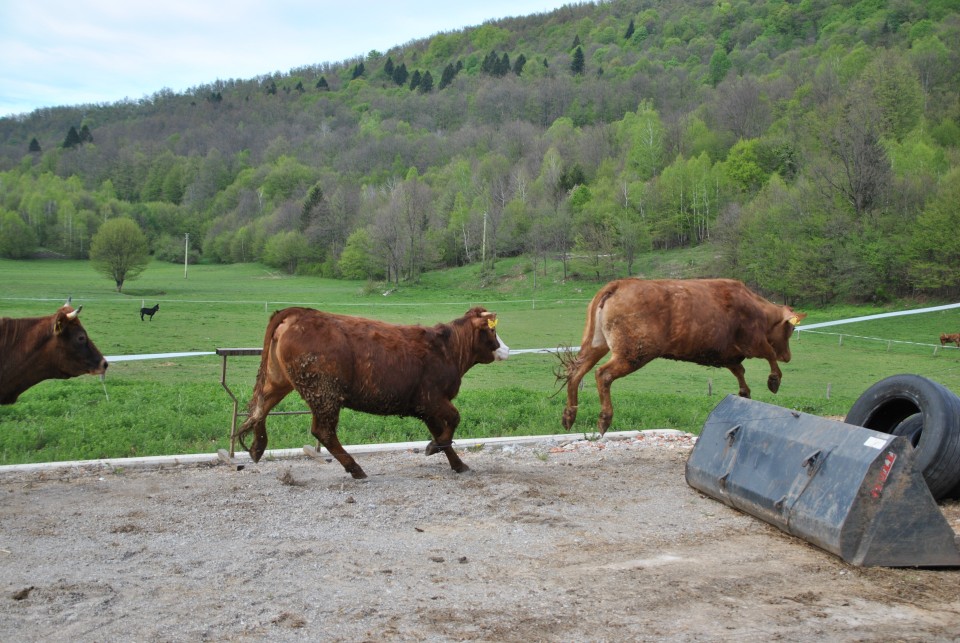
[(928, 414)]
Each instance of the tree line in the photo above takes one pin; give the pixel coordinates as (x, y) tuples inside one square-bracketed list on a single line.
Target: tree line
[(814, 148)]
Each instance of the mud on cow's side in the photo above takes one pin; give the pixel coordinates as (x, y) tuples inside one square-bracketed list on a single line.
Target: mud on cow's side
[(34, 349), (712, 322), (338, 361)]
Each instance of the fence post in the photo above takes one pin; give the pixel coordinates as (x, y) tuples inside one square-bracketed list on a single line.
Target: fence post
[(829, 386), (709, 387)]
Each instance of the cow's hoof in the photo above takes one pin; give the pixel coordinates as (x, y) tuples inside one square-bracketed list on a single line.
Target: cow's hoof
[(604, 422), (773, 383), (433, 447), (358, 473), (461, 468), (569, 417)]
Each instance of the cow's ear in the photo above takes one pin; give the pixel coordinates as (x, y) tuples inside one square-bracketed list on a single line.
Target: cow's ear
[(59, 322), (490, 319), (793, 317)]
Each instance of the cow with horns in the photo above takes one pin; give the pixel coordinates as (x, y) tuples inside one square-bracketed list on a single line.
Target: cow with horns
[(712, 322), (35, 349), (338, 361)]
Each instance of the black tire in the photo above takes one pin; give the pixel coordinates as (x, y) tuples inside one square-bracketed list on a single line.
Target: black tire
[(912, 427), (925, 411)]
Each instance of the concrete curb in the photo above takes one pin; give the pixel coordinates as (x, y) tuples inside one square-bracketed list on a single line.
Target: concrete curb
[(243, 458)]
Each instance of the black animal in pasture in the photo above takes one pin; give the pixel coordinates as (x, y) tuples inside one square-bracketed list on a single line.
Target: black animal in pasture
[(150, 312)]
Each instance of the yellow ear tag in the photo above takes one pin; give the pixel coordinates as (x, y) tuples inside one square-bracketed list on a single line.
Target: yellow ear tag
[(795, 320), (492, 323)]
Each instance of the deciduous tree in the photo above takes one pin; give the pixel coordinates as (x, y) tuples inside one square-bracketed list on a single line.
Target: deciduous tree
[(119, 251)]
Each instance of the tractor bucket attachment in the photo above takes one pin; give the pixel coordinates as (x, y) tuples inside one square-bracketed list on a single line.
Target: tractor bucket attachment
[(852, 491)]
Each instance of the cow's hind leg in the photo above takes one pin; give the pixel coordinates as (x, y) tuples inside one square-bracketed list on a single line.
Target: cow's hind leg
[(442, 423), (739, 372), (614, 369), (586, 359), (265, 397)]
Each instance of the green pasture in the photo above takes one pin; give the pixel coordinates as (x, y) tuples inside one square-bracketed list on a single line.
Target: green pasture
[(177, 405)]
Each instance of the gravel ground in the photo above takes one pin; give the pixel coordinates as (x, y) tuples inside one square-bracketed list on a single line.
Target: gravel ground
[(553, 541)]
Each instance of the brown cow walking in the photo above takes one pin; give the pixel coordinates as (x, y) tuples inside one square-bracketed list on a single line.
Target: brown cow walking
[(34, 349), (952, 338), (712, 322), (336, 361)]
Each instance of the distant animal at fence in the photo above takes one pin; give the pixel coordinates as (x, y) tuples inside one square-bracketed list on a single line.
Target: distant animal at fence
[(951, 338), (35, 349), (149, 312), (336, 361), (712, 322)]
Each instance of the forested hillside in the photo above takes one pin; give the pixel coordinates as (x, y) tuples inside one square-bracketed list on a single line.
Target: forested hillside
[(812, 145)]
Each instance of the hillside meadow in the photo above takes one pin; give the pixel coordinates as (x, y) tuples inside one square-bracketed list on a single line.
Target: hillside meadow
[(173, 406)]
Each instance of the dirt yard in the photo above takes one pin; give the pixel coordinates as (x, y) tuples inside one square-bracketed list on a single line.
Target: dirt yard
[(578, 541)]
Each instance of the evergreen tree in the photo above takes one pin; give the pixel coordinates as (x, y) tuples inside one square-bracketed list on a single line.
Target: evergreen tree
[(34, 145), (415, 79), (577, 64), (85, 135), (576, 41), (449, 73), (72, 140), (388, 67), (489, 64), (518, 64), (400, 74), (322, 83), (630, 30), (313, 201), (426, 83), (299, 86), (358, 71), (503, 68), (272, 89)]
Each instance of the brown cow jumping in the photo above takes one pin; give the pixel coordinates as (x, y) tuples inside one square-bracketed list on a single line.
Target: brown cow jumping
[(336, 361), (712, 322), (951, 338), (34, 349)]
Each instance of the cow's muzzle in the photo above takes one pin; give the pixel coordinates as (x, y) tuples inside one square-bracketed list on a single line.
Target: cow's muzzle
[(502, 352)]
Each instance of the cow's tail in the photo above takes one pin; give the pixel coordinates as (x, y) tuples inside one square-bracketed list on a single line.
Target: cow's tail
[(567, 366), (570, 360), (268, 346)]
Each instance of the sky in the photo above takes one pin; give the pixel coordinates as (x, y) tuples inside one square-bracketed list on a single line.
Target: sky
[(72, 52)]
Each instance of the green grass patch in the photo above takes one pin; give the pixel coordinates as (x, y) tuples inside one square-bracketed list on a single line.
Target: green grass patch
[(173, 406)]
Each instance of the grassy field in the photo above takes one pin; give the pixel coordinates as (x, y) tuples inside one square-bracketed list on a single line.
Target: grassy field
[(172, 406)]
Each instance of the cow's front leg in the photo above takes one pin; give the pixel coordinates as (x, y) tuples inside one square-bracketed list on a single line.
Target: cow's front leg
[(614, 369), (773, 381), (324, 429), (442, 425)]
